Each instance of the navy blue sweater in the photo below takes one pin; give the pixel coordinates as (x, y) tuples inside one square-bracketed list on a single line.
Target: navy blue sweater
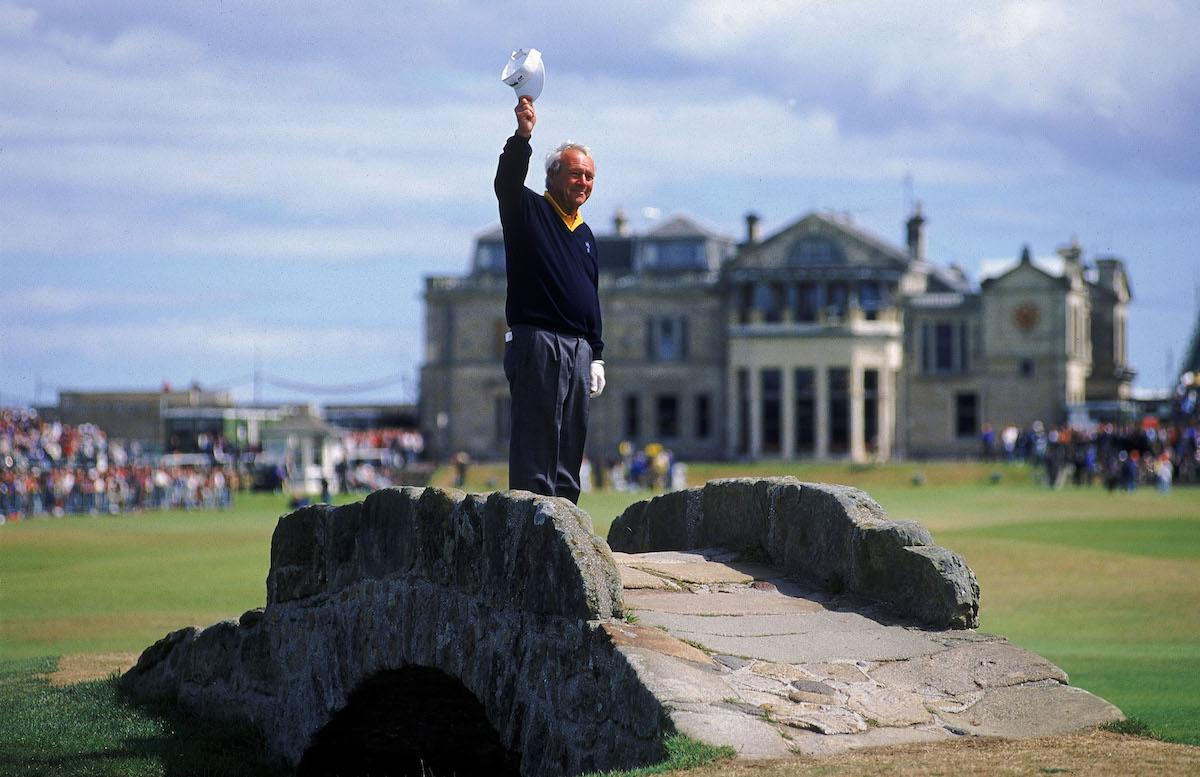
[(552, 272)]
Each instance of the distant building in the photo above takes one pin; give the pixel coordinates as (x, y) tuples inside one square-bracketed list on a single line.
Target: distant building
[(820, 341), (361, 416), (176, 421), (136, 416)]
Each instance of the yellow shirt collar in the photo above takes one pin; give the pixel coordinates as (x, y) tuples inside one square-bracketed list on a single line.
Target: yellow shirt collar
[(571, 221)]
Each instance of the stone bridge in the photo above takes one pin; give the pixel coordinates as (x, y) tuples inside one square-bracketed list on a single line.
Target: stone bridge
[(430, 631)]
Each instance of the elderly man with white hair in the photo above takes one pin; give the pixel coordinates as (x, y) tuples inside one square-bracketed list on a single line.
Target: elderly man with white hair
[(553, 352)]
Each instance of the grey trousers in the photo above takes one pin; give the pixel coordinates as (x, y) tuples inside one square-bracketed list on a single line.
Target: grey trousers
[(549, 376)]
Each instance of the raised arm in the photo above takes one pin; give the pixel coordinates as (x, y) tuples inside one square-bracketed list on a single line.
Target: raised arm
[(514, 162)]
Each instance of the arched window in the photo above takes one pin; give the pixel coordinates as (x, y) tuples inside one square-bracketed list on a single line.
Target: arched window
[(816, 250)]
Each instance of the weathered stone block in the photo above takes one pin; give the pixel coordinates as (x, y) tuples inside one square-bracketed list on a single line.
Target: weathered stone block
[(735, 514), (388, 523), (628, 532), (298, 555), (155, 676), (672, 515)]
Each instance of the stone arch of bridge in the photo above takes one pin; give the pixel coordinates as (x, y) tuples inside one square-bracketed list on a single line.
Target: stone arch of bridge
[(416, 720)]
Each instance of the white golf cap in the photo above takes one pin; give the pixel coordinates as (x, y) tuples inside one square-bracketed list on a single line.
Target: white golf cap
[(525, 73)]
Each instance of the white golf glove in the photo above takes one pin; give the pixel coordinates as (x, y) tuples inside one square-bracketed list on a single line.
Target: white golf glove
[(597, 378)]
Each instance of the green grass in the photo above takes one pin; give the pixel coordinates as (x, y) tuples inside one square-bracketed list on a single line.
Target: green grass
[(682, 753), (1105, 585), (84, 729)]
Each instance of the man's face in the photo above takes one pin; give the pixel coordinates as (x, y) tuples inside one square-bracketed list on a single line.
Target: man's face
[(572, 184)]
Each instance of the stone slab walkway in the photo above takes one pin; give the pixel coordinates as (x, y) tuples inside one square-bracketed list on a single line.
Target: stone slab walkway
[(742, 656)]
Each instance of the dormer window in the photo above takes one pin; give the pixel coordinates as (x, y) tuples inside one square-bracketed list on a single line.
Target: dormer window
[(489, 257), (674, 255)]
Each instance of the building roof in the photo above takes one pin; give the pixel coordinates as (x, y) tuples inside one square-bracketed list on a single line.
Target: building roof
[(856, 247), (680, 226), (940, 300), (615, 253)]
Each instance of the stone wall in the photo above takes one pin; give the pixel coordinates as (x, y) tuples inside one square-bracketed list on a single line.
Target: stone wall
[(835, 535), (506, 593)]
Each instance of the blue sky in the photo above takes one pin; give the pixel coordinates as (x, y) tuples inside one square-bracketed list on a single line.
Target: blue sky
[(193, 188)]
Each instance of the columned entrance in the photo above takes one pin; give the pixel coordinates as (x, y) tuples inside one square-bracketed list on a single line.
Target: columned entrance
[(813, 397)]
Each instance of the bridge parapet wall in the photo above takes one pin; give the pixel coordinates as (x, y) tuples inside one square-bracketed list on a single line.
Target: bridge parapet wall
[(530, 554), (836, 535)]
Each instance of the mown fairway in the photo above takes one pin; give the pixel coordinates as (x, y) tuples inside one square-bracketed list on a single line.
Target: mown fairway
[(1106, 585)]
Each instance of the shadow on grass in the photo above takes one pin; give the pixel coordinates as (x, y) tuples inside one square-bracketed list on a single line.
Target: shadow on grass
[(88, 729)]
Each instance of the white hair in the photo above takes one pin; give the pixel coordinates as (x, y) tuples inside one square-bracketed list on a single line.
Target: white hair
[(554, 158)]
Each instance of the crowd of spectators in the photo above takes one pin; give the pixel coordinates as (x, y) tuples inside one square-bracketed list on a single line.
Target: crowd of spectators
[(1120, 456), (375, 458), (652, 467), (49, 468)]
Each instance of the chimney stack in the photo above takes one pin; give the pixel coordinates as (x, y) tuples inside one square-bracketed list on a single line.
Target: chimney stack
[(916, 235), (752, 220)]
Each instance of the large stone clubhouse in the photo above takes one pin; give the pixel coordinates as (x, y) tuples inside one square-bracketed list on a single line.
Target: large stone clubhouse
[(820, 341)]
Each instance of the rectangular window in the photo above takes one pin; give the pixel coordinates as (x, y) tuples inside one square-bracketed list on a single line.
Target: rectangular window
[(703, 416), (807, 302), (777, 296), (743, 411), (666, 338), (806, 411), (943, 347), (966, 414), (926, 347), (839, 410), (870, 299), (768, 301), (666, 407), (835, 302), (871, 409), (633, 417), (772, 411), (745, 302)]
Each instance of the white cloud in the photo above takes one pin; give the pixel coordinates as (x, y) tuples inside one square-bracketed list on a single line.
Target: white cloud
[(1042, 58), (63, 300), (233, 338), (16, 21)]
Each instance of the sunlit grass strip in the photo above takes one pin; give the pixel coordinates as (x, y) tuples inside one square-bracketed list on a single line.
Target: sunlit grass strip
[(683, 752)]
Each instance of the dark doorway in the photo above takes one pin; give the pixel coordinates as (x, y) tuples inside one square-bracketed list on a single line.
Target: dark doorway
[(416, 722)]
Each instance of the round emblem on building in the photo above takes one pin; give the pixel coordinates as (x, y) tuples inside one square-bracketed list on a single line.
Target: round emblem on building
[(1026, 316)]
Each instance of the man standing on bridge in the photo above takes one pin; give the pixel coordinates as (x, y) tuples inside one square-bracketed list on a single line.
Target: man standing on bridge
[(552, 351)]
